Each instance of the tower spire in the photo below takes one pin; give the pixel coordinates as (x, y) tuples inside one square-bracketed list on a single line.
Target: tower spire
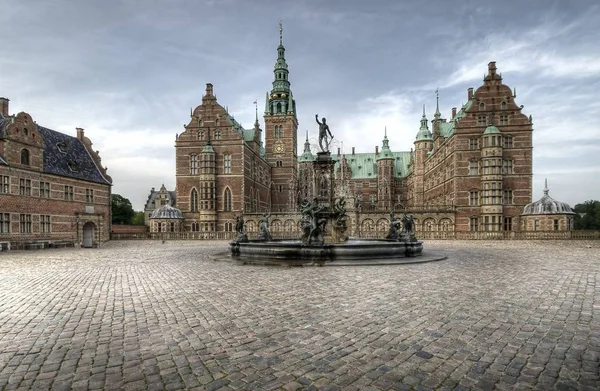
[(280, 32), (546, 191), (437, 114)]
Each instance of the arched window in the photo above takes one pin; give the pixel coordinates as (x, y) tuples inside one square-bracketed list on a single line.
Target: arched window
[(228, 226), (503, 105), (195, 226), (278, 108), (481, 106), (217, 122), (25, 157), (194, 200), (194, 164), (227, 200)]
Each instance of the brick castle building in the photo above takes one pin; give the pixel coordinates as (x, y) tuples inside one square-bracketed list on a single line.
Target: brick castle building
[(472, 172), (53, 188)]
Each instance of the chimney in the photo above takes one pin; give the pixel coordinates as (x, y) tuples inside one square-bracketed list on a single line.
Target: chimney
[(377, 150), (338, 151), (492, 68), (209, 89), (4, 106), (470, 93), (453, 112), (353, 150), (80, 134)]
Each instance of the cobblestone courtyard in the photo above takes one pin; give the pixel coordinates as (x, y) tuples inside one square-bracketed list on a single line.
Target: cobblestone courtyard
[(148, 315)]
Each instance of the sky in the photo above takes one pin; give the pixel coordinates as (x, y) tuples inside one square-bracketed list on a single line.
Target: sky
[(128, 72)]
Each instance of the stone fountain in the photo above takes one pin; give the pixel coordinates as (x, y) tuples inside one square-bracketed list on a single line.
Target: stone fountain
[(324, 226)]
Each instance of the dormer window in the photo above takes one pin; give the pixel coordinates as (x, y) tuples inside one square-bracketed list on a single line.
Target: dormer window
[(25, 157), (482, 106), (73, 166), (62, 147)]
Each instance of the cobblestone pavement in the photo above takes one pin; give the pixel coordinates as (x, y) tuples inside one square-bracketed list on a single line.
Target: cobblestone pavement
[(147, 315)]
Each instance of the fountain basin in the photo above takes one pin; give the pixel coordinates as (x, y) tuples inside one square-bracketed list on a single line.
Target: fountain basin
[(351, 250)]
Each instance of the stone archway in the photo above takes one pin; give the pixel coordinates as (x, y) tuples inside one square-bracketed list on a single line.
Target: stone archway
[(89, 232)]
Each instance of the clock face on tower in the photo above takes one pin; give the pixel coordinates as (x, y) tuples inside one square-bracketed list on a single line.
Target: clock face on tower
[(279, 148)]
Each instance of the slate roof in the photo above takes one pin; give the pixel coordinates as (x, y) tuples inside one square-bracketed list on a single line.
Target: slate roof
[(167, 212), (70, 160), (67, 156)]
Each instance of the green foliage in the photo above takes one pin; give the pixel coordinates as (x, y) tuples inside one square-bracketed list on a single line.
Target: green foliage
[(591, 217), (122, 211), (139, 218)]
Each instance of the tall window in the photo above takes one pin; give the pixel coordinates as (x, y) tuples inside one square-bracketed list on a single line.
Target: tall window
[(473, 198), (228, 226), (482, 106), (508, 224), (194, 201), (536, 225), (207, 195), (507, 166), (25, 223), (217, 134), (508, 142), (25, 187), (227, 200), (474, 224), (473, 143), (227, 163), (508, 197), (278, 131), (473, 168), (89, 195), (195, 226), (25, 157), (45, 224), (4, 223), (69, 193), (44, 190), (194, 164), (279, 163), (503, 119), (4, 184), (556, 224)]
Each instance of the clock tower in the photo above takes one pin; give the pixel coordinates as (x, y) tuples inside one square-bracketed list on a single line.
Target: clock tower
[(281, 133)]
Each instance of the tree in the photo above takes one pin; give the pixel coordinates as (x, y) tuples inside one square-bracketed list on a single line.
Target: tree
[(588, 215), (139, 218), (122, 211)]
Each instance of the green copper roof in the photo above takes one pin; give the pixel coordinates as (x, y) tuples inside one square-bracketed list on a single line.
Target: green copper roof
[(424, 133), (491, 129), (385, 153), (307, 155), (364, 165), (208, 149)]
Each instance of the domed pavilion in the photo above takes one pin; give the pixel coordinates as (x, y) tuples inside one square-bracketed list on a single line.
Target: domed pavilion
[(547, 214), (166, 219)]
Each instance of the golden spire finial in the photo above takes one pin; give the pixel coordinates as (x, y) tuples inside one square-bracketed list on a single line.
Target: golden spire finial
[(280, 32)]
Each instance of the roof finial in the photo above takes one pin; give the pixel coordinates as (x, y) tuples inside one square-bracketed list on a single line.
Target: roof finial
[(546, 191), (256, 109), (385, 131), (423, 110), (437, 103), (306, 135), (280, 32)]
